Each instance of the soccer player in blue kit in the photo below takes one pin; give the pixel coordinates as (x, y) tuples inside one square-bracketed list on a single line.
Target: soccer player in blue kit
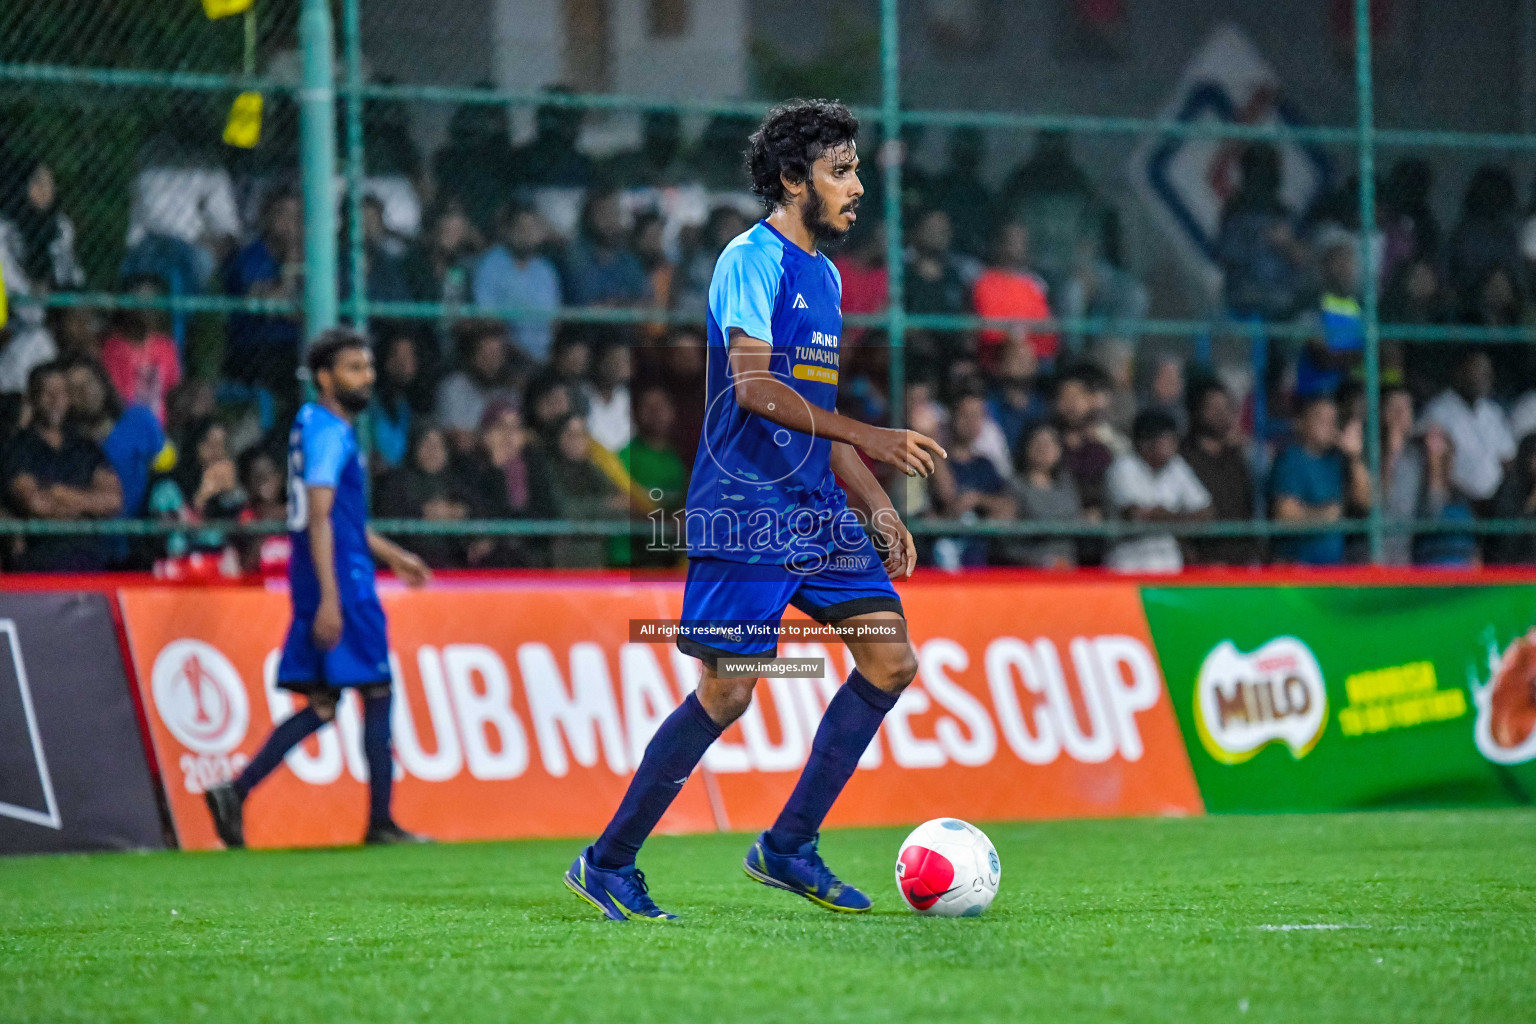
[(337, 641), (768, 525)]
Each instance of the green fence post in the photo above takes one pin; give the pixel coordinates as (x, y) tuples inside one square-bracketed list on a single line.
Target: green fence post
[(352, 43), (890, 118), (1367, 143), (317, 167)]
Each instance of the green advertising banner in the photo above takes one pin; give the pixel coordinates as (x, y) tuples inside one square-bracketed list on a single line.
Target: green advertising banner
[(1338, 698)]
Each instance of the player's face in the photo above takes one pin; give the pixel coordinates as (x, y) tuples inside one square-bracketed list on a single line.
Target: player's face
[(832, 201), (352, 379)]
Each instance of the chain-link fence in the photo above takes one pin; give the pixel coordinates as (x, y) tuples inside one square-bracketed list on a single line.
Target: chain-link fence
[(526, 254)]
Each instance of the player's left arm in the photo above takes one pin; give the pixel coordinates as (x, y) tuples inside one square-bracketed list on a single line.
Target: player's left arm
[(405, 564), (867, 496)]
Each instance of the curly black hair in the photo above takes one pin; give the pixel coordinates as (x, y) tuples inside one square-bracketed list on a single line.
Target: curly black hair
[(789, 141)]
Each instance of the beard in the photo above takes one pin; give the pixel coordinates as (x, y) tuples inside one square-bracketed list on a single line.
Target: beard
[(354, 400), (814, 215)]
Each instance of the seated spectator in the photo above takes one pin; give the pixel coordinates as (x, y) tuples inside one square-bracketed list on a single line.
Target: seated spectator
[(700, 250), (53, 472), (571, 486), (1487, 238), (266, 501), (548, 401), (1053, 197), (438, 267), (1087, 458), (24, 346), (1516, 499), (866, 280), (515, 273), (647, 240), (390, 416), (205, 474), (1163, 389), (1218, 457), (1493, 300), (962, 193), (1334, 355), (1100, 287), (263, 349), (428, 486), (141, 360), (1416, 485), (967, 486), (1008, 289), (607, 398), (934, 284), (651, 459), (504, 450), (550, 159), (37, 238), (76, 330), (1415, 295), (1409, 228), (659, 161), (601, 269), (384, 277), (1153, 484), (1262, 262), (1015, 401), (1043, 492), (475, 169), (183, 218), (1522, 418), (130, 436), (1478, 429), (1314, 480), (484, 377)]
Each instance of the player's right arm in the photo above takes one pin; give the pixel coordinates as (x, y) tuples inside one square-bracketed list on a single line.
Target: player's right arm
[(326, 630), (759, 391)]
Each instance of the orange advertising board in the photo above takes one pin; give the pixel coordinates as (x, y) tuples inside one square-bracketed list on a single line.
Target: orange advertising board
[(522, 710)]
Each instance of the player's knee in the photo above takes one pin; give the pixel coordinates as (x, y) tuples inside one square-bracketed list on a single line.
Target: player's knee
[(726, 699), (324, 706), (898, 673)]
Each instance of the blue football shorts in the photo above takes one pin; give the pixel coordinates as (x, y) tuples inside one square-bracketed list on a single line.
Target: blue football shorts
[(360, 659)]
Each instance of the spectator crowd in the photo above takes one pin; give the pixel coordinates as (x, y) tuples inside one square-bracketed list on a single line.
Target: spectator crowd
[(103, 415)]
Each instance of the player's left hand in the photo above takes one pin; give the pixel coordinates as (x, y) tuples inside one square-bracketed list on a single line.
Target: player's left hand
[(410, 568), (901, 557)]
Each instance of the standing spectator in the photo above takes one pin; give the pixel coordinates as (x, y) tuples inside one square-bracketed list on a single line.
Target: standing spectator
[(475, 168), (143, 362), (961, 193), (1516, 499), (1087, 457), (1260, 257), (607, 398), (484, 377), (1487, 238), (1478, 429), (934, 284), (1328, 359), (1315, 479), (391, 414), (1008, 289), (550, 159), (515, 273), (1015, 401), (966, 485), (1216, 454), (700, 250), (1053, 198), (263, 349), (37, 238), (54, 473), (1153, 484), (1043, 492), (571, 486), (602, 270)]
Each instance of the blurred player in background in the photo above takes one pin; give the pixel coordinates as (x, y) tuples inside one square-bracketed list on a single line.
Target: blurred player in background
[(772, 453), (338, 639)]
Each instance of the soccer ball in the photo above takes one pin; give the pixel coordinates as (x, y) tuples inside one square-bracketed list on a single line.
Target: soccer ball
[(948, 868)]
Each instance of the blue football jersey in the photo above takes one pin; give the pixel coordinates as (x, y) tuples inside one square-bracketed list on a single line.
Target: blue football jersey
[(752, 478), (323, 452)]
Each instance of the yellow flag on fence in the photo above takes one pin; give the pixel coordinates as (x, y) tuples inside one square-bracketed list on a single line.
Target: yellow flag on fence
[(243, 128), (224, 8)]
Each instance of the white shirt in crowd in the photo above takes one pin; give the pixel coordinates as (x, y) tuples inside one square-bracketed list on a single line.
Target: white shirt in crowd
[(1131, 483), (1481, 438), (608, 421)]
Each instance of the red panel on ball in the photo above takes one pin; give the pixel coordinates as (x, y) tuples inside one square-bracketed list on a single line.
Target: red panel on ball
[(925, 876)]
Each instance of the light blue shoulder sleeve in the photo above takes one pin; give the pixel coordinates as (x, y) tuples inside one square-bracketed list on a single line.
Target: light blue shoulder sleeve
[(744, 288), (325, 451)]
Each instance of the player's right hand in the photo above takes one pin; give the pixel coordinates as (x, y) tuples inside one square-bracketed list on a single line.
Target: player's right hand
[(907, 450), (326, 630)]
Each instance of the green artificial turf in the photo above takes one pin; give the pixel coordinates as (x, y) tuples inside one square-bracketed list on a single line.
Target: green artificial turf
[(1140, 920)]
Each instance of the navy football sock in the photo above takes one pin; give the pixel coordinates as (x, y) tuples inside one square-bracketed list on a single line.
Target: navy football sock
[(283, 739), (852, 719), (669, 759), (381, 767)]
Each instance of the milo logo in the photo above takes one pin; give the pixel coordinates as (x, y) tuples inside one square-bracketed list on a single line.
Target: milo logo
[(1273, 695)]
